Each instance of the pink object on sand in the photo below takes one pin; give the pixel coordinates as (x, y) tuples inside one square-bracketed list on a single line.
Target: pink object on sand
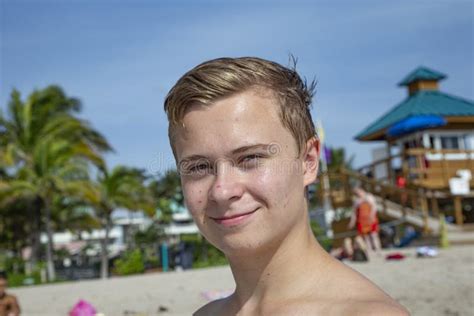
[(83, 308)]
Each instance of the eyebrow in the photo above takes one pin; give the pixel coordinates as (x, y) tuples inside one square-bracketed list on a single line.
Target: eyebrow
[(233, 152), (250, 147)]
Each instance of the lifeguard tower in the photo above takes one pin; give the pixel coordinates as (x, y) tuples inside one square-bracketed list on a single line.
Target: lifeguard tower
[(428, 141)]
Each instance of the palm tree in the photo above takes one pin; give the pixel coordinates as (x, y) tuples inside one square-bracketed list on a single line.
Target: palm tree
[(46, 147), (71, 213), (338, 159), (14, 226), (122, 187), (56, 170), (167, 191)]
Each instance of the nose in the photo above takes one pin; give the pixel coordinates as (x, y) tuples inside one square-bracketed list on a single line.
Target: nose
[(227, 185)]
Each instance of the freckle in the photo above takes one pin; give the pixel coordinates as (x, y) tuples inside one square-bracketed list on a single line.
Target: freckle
[(199, 201)]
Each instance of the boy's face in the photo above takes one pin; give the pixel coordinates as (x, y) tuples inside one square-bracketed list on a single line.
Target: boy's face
[(243, 180)]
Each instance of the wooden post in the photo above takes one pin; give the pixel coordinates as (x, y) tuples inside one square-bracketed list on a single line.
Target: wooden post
[(347, 185), (414, 202), (405, 168), (424, 210), (420, 165), (404, 207), (404, 211), (471, 159), (444, 166), (458, 210), (372, 178), (435, 206), (468, 158), (384, 200), (389, 163)]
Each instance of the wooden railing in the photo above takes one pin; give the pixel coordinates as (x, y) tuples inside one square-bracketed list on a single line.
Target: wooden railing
[(427, 168), (414, 200)]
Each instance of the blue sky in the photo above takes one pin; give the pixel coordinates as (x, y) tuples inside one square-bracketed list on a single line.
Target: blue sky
[(121, 57)]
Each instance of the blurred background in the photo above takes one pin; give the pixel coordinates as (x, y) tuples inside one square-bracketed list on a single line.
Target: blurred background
[(88, 187)]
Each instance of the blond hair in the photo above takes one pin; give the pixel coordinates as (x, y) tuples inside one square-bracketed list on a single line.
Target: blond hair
[(219, 78)]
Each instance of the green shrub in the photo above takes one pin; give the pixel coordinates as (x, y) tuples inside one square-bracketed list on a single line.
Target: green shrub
[(19, 279), (318, 232), (153, 262), (206, 255), (130, 263)]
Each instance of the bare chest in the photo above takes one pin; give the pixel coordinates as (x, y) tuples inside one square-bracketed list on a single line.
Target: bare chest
[(6, 305)]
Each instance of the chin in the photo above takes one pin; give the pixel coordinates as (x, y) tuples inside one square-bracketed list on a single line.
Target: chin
[(235, 245)]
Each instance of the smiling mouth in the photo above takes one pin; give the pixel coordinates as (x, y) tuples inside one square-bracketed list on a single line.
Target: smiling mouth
[(234, 219)]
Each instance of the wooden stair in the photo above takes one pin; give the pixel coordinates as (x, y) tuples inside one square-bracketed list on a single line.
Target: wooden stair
[(386, 196)]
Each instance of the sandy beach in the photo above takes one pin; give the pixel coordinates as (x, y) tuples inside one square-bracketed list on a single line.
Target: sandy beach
[(426, 286)]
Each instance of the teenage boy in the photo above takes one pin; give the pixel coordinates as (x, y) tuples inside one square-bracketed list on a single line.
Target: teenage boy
[(246, 148)]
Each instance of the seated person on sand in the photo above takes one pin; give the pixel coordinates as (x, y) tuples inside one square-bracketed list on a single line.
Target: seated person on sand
[(246, 149), (365, 218), (8, 303), (356, 251)]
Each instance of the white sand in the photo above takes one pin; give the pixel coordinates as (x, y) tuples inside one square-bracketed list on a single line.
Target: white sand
[(434, 286)]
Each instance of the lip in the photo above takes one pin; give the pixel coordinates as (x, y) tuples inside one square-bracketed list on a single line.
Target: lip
[(234, 220)]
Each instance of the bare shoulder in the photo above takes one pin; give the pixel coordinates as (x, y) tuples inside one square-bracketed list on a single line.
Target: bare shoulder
[(339, 307), (11, 299), (11, 296), (350, 293), (211, 308), (381, 307), (11, 302), (360, 296)]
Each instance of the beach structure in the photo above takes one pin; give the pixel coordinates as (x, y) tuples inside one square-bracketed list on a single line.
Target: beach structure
[(430, 132), (426, 161)]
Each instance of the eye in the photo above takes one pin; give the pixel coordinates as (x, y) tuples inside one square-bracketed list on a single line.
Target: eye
[(250, 160), (251, 157), (198, 168)]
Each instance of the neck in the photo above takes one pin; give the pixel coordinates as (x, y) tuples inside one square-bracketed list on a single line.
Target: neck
[(279, 271)]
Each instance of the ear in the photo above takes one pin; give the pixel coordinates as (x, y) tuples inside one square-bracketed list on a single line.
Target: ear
[(311, 160)]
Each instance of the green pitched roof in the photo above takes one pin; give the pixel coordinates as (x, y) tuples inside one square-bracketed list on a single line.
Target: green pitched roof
[(422, 103), (422, 73)]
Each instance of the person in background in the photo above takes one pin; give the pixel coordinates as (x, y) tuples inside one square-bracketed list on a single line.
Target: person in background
[(365, 218), (356, 251), (8, 303)]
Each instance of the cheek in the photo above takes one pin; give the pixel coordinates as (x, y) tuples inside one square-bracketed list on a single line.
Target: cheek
[(270, 185), (194, 198), (279, 184)]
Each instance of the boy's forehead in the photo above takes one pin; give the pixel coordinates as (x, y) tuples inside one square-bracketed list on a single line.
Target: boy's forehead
[(248, 107), (242, 119)]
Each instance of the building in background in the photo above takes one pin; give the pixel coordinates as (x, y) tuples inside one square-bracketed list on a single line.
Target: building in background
[(428, 141)]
